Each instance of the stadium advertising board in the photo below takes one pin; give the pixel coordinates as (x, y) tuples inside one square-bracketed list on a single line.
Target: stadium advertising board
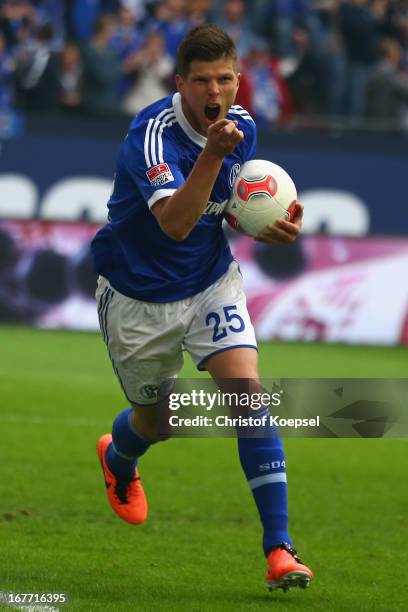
[(71, 177), (323, 288)]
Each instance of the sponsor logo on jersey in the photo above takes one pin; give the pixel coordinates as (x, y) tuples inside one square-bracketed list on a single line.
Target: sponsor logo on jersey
[(215, 208), (159, 175)]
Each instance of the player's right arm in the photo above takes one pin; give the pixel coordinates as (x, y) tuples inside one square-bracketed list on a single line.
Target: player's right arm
[(178, 214)]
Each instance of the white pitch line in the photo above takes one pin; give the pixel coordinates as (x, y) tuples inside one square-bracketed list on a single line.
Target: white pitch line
[(42, 420)]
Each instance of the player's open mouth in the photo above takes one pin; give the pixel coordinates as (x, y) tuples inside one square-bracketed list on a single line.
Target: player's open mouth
[(212, 111)]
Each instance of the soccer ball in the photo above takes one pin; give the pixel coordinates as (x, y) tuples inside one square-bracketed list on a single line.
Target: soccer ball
[(262, 193)]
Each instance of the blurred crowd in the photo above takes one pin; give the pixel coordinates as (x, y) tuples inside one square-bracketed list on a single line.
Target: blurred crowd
[(297, 57)]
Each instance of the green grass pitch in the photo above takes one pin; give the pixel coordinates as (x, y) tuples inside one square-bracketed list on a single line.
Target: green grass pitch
[(201, 546)]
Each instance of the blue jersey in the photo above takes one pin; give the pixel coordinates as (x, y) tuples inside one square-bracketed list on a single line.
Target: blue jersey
[(156, 157)]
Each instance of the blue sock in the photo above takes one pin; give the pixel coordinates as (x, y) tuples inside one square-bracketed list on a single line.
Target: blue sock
[(263, 461), (127, 446)]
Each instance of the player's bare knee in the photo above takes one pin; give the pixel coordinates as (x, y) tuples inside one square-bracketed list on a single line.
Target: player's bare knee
[(239, 362)]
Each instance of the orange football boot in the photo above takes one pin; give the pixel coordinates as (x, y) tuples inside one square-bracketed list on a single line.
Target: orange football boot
[(286, 570), (126, 497)]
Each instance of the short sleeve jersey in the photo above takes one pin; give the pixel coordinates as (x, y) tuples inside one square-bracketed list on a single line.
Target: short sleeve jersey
[(131, 251)]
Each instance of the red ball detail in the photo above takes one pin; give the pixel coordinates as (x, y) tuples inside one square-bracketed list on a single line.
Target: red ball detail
[(243, 189), (272, 185), (231, 220), (292, 210), (246, 189)]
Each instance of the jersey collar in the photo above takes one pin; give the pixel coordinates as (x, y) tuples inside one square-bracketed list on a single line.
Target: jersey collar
[(184, 124)]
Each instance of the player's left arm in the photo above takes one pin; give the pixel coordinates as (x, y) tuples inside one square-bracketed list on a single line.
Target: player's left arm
[(284, 232)]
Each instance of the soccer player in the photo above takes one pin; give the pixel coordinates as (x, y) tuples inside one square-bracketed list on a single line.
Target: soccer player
[(168, 280)]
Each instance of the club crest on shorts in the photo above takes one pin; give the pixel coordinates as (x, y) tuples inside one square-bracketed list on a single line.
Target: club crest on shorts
[(149, 391), (160, 175), (234, 173)]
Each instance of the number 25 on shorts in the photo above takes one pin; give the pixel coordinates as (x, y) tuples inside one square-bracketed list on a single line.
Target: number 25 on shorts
[(229, 316)]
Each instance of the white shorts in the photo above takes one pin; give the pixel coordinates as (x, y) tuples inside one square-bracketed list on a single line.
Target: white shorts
[(145, 340)]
